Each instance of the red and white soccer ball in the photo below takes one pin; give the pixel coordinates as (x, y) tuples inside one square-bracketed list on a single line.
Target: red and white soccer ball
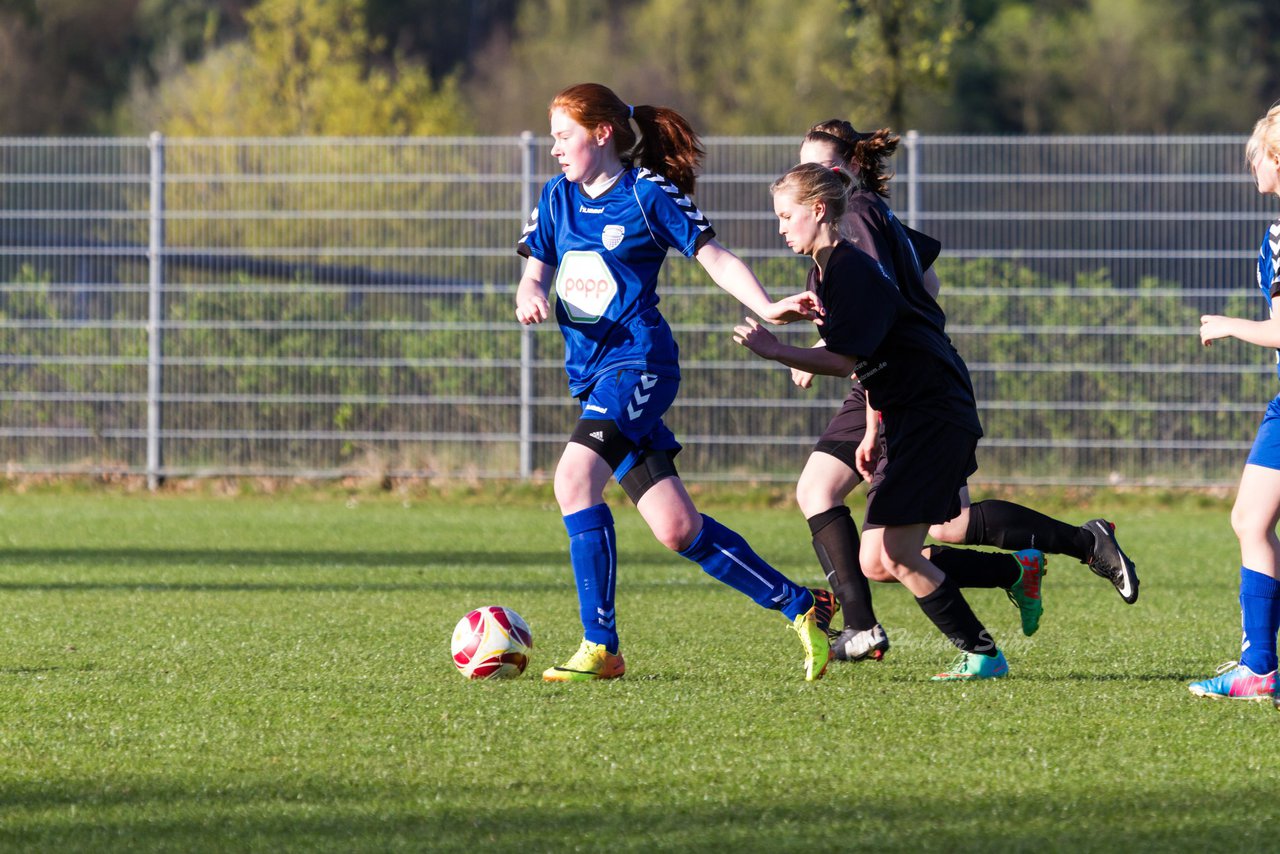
[(492, 642)]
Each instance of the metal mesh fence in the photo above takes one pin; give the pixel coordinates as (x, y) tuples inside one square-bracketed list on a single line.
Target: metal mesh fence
[(320, 307)]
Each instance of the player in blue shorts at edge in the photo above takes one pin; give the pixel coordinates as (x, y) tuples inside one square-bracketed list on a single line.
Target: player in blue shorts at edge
[(847, 452), (1257, 506), (600, 234)]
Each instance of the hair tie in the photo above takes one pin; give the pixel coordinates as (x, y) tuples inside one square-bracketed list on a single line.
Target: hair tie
[(631, 111)]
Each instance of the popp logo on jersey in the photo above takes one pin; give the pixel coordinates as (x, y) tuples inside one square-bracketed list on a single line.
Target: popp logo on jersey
[(585, 286)]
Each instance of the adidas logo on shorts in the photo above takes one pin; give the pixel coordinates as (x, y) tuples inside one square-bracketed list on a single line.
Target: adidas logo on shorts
[(598, 435)]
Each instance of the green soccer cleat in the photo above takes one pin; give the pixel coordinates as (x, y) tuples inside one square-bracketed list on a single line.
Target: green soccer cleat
[(591, 661), (973, 665), (813, 637), (1025, 592)]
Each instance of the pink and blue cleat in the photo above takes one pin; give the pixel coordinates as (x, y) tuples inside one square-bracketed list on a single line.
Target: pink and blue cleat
[(1236, 682)]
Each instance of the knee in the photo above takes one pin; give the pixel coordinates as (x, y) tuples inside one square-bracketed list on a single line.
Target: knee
[(677, 532), (952, 531), (1249, 527), (814, 497), (895, 562), (873, 567), (568, 489)]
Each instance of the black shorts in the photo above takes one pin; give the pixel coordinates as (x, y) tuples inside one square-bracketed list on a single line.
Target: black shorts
[(929, 461), (845, 433), (850, 423)]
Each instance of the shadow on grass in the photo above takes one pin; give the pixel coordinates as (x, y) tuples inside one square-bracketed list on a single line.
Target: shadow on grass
[(319, 558), (428, 564), (295, 815)]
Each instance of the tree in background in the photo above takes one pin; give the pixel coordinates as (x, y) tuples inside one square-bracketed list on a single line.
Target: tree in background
[(67, 65), (897, 48), (443, 35), (61, 63), (731, 66), (306, 67), (1114, 66)]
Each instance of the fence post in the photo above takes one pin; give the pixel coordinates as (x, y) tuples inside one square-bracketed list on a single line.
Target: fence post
[(155, 310), (527, 150), (913, 175)]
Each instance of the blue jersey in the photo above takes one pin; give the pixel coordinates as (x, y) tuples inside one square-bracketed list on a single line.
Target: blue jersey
[(607, 252), (1269, 272)]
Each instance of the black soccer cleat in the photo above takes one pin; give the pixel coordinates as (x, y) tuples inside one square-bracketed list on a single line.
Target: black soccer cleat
[(867, 645), (1109, 562)]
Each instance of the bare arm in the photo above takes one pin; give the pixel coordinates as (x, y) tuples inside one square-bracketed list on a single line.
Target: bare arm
[(531, 294), (733, 276), (1264, 333), (815, 360), (802, 378), (867, 453)]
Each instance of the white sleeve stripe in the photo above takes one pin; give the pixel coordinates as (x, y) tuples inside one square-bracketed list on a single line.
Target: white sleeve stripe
[(683, 201), (1273, 238)]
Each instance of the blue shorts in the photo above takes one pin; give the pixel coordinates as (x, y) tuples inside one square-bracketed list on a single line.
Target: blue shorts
[(1266, 447), (636, 402)]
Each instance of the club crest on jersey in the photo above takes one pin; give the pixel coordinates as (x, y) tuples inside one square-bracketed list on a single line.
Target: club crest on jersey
[(612, 236)]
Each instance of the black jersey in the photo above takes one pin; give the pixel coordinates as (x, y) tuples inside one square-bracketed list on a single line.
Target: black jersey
[(905, 253), (905, 360), (870, 225)]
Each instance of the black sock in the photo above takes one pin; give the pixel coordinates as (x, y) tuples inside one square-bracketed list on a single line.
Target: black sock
[(835, 540), (972, 568), (952, 615), (1013, 527)]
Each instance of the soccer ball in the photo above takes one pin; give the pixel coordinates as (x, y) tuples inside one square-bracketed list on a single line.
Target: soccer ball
[(492, 642)]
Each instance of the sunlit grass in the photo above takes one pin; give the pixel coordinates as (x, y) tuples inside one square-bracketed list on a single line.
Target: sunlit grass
[(272, 673)]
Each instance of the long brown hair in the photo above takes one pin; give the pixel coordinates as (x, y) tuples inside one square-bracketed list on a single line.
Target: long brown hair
[(867, 151), (666, 143)]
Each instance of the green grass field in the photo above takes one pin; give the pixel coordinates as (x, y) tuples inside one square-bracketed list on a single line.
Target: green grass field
[(272, 673)]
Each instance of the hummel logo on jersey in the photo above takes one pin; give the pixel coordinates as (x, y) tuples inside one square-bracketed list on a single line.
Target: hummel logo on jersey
[(1273, 238), (612, 236), (529, 225), (591, 407), (685, 203), (585, 209), (598, 435)]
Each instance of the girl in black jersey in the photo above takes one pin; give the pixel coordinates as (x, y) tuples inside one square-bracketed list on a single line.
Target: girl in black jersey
[(847, 452), (883, 331)]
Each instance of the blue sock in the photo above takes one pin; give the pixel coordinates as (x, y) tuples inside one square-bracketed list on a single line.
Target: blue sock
[(593, 551), (725, 556), (1259, 595)]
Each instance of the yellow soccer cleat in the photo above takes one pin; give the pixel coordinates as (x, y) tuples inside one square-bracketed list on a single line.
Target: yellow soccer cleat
[(591, 661), (813, 636)]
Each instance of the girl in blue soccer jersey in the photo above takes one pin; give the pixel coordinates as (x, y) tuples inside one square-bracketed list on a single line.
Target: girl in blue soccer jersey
[(847, 452), (599, 236), (891, 334), (1257, 507)]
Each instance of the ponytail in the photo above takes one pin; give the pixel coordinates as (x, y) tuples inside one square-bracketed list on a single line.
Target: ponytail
[(867, 152), (666, 144)]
